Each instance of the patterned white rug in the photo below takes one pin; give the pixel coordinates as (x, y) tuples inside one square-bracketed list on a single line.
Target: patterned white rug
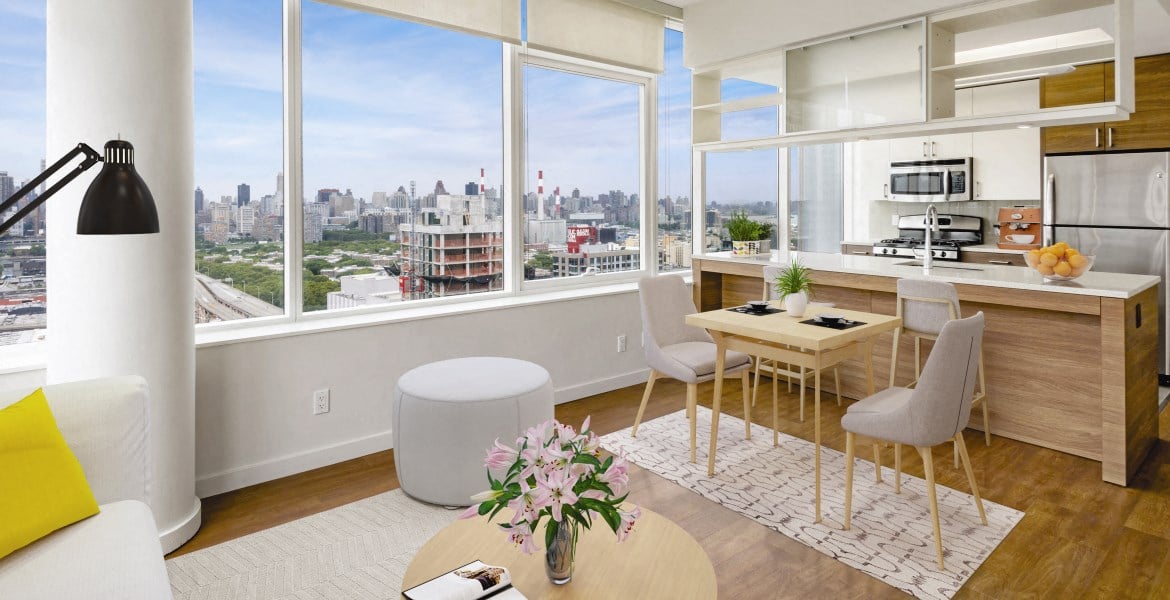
[(891, 537), (360, 550)]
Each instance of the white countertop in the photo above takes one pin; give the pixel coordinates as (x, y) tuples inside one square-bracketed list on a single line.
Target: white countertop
[(1093, 283)]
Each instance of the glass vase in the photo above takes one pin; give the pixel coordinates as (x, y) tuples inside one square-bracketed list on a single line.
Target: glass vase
[(560, 554)]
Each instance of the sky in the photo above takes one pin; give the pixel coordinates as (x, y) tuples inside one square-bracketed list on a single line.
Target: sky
[(385, 101)]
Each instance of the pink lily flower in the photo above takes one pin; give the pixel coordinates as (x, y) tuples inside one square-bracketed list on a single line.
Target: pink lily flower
[(500, 457), (526, 506), (521, 535), (617, 476), (555, 489), (627, 525)]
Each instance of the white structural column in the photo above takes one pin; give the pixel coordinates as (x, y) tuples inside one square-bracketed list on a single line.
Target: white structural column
[(124, 304)]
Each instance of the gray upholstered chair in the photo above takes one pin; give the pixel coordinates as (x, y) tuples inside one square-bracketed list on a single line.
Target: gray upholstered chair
[(925, 306), (675, 349), (932, 413), (802, 376)]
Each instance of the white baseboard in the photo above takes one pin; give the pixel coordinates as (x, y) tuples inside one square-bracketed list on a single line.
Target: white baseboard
[(240, 477), (244, 476), (600, 386)]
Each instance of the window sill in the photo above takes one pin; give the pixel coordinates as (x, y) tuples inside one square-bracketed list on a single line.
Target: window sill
[(32, 357)]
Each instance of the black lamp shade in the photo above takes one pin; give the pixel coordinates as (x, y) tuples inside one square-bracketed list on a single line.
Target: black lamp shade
[(118, 201)]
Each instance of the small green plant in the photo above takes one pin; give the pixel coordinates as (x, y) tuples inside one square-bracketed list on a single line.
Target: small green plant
[(793, 279), (743, 229)]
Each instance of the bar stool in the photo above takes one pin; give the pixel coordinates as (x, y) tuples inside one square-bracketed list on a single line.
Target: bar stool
[(925, 306), (802, 376)]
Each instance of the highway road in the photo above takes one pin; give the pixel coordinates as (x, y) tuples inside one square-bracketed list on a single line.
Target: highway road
[(219, 301)]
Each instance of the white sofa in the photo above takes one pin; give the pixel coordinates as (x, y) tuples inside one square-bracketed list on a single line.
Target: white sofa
[(116, 553)]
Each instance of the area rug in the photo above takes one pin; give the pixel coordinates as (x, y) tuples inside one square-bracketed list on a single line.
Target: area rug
[(891, 537), (359, 550)]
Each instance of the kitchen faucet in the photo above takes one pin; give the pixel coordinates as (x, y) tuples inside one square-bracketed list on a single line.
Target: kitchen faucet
[(931, 226)]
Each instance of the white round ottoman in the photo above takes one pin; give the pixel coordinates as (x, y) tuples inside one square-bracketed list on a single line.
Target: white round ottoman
[(448, 413)]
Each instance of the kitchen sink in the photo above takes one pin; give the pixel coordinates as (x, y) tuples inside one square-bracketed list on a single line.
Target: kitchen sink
[(918, 263)]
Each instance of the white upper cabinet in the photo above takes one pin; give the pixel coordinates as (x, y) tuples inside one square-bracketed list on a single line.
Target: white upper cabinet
[(951, 145), (871, 171), (1007, 161)]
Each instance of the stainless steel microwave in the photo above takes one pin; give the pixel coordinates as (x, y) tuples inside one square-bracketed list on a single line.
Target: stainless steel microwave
[(943, 180)]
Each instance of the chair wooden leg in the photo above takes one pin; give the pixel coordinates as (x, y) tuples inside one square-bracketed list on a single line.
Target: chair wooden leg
[(848, 479), (917, 359), (745, 378), (877, 462), (837, 383), (897, 468), (928, 466), (801, 394), (692, 404), (894, 356), (775, 406), (962, 446), (645, 399), (986, 411), (955, 447)]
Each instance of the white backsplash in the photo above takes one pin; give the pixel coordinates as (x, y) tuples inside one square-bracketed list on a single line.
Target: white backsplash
[(881, 214)]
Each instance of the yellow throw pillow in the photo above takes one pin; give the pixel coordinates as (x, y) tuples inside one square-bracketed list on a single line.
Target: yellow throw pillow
[(42, 486)]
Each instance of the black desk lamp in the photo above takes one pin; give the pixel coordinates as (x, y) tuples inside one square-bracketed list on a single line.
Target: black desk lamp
[(117, 202)]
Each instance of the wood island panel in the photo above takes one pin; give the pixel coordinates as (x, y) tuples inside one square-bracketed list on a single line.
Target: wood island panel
[(1065, 371)]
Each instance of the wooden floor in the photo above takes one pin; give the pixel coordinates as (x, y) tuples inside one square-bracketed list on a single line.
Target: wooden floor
[(1080, 538)]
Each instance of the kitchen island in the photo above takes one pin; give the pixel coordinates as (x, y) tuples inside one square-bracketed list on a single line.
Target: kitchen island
[(1070, 366)]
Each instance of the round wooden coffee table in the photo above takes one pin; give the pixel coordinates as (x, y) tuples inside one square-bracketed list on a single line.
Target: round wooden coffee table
[(658, 560)]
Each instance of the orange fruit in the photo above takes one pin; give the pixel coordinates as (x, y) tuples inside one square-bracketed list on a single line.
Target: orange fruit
[(1049, 259), (1044, 269), (1077, 261), (1062, 268), (1032, 258), (1070, 252), (1077, 272)]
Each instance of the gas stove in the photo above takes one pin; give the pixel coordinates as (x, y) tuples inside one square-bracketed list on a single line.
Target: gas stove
[(955, 231)]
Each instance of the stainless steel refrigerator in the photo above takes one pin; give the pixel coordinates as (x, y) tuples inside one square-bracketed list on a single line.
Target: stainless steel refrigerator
[(1115, 206)]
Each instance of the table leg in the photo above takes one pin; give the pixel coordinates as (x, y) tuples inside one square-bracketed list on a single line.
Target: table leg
[(817, 432), (720, 360), (869, 365)]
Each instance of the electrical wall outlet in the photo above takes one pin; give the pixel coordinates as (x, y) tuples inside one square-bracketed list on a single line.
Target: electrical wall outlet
[(621, 343), (321, 401)]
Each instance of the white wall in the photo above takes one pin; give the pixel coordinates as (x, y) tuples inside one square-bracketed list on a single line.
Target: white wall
[(719, 30), (253, 414)]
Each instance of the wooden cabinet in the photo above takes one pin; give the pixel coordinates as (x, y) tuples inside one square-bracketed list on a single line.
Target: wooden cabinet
[(857, 249), (1147, 128), (993, 258)]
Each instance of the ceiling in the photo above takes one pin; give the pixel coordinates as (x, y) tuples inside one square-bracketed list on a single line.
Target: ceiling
[(1151, 21)]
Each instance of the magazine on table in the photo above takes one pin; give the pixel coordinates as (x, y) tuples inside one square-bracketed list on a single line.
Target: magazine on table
[(472, 581)]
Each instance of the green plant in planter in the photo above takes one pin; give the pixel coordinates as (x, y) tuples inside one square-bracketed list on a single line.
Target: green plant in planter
[(793, 279), (743, 229)]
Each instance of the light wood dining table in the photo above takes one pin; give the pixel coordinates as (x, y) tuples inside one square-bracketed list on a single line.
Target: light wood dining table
[(785, 339)]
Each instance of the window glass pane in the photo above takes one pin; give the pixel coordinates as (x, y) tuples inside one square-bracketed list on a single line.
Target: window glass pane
[(239, 194), (674, 158), (581, 207), (22, 157), (400, 120), (751, 123), (816, 197), (740, 181)]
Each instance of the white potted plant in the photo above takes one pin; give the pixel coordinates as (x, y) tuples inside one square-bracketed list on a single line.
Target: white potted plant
[(794, 287), (747, 235)]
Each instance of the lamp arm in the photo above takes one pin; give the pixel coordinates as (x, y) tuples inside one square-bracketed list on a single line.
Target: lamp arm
[(91, 158)]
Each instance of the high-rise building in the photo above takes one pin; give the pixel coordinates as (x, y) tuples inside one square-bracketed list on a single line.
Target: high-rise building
[(439, 189), (315, 215), (243, 194), (245, 219), (453, 249), (198, 200), (400, 200), (471, 189), (280, 183), (7, 186), (324, 193), (340, 204)]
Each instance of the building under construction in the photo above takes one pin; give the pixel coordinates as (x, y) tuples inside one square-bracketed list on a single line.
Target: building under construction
[(452, 249)]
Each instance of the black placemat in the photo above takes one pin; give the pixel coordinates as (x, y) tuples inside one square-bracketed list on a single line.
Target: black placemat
[(837, 325), (747, 310)]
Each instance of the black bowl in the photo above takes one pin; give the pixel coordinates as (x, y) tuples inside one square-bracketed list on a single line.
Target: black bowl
[(831, 319), (758, 305)]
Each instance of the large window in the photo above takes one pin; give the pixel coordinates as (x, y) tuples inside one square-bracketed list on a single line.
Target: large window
[(403, 160), (740, 181), (23, 297), (583, 175), (674, 245), (239, 195)]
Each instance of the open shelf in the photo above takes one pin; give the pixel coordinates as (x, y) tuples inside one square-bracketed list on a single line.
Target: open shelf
[(985, 15), (1084, 53), (750, 103)]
